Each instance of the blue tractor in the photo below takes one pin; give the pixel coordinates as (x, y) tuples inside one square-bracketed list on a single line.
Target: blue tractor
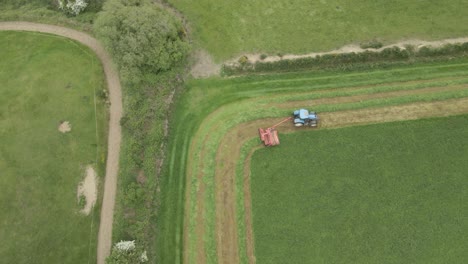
[(303, 117)]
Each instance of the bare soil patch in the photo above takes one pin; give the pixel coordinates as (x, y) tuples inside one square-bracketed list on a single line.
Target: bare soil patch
[(204, 65), (88, 189), (64, 127)]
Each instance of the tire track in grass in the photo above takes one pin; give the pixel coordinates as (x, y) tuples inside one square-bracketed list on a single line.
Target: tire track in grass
[(195, 250), (198, 255), (114, 137), (248, 208)]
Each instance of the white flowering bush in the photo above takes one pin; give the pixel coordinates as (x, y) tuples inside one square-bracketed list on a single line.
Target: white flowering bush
[(125, 252), (73, 7), (125, 245)]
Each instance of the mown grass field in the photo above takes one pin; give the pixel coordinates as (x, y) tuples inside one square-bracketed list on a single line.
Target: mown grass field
[(215, 117), (226, 29), (44, 80), (386, 193)]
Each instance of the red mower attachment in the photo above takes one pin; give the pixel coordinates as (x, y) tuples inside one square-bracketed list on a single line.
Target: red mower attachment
[(269, 136)]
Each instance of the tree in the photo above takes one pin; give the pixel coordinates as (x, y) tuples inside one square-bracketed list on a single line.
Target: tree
[(144, 38)]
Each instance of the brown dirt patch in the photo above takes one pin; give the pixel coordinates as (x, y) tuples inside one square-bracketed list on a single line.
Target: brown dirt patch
[(88, 189), (64, 127), (204, 65), (141, 178)]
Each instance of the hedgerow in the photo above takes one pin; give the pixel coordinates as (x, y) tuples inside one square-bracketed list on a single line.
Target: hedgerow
[(352, 61)]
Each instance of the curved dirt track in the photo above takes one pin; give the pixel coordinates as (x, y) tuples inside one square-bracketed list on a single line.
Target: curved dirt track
[(113, 147)]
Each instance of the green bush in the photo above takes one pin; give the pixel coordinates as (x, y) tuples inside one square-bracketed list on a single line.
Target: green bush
[(263, 56), (82, 201), (144, 39), (243, 60)]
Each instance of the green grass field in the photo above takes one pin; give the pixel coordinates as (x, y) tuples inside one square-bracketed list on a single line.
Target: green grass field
[(387, 193), (200, 122), (228, 28), (44, 80)]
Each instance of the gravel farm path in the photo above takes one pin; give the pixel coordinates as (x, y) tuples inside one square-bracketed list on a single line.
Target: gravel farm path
[(113, 151)]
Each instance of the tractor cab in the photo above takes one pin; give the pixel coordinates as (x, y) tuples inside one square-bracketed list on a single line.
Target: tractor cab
[(301, 117), (304, 117)]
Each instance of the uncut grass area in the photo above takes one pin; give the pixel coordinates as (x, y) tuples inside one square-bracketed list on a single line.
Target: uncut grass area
[(44, 80), (228, 28), (386, 193)]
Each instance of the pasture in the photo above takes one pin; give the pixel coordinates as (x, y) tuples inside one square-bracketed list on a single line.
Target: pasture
[(206, 198), (385, 193), (45, 80), (230, 28)]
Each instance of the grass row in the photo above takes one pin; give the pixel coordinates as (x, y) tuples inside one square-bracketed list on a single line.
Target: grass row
[(205, 96), (388, 193)]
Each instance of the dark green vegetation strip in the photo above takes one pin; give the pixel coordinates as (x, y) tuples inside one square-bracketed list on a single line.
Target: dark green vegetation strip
[(302, 26), (252, 97), (387, 193), (44, 80), (392, 56), (151, 71)]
